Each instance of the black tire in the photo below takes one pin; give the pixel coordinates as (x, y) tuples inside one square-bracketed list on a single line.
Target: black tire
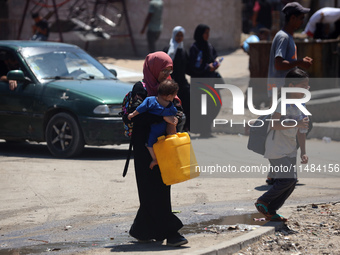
[(63, 136)]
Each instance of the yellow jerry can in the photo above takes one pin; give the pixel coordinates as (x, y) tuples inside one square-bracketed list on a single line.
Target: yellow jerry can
[(176, 158)]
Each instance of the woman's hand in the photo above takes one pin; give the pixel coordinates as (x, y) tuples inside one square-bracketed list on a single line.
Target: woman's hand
[(212, 68)]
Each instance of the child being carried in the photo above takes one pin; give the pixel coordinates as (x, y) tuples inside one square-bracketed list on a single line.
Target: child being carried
[(161, 105)]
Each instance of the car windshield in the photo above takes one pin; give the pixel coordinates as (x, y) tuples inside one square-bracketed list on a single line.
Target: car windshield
[(50, 63)]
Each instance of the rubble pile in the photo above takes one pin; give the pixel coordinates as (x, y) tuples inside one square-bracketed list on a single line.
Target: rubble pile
[(311, 229)]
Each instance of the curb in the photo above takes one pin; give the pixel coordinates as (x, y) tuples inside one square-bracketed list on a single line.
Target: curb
[(321, 130), (240, 242)]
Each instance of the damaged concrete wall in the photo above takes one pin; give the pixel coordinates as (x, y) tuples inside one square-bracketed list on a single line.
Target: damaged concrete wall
[(223, 17)]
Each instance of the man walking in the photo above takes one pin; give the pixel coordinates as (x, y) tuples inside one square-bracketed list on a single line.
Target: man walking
[(153, 23), (283, 52)]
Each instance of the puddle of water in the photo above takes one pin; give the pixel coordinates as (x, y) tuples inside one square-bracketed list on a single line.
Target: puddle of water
[(242, 219), (55, 248)]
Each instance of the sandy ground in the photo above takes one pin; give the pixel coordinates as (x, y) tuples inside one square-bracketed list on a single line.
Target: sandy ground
[(41, 196), (312, 229), (86, 206)]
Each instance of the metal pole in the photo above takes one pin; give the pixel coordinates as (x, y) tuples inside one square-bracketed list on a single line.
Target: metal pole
[(87, 43), (23, 19), (57, 18), (129, 27)]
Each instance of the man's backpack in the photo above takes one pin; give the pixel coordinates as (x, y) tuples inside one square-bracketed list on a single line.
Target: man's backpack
[(258, 134), (131, 101)]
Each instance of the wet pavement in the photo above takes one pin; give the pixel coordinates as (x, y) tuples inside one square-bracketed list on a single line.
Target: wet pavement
[(104, 237)]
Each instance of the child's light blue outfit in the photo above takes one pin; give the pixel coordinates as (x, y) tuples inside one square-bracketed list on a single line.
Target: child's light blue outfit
[(151, 105)]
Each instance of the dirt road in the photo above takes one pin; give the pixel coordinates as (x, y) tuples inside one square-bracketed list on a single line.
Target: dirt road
[(85, 205), (87, 199)]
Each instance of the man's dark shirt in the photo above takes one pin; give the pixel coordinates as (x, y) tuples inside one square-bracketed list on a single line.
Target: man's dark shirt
[(42, 24), (3, 69)]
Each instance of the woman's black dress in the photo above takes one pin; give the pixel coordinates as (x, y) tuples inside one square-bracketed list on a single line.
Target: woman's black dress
[(154, 219)]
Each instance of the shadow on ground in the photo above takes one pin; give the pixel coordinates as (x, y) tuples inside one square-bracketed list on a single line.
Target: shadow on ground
[(140, 247), (266, 187)]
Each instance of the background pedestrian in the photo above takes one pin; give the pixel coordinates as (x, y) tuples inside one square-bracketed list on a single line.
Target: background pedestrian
[(40, 29), (153, 23), (281, 149), (180, 59)]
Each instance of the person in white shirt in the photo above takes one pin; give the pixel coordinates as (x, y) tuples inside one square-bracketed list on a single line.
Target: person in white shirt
[(328, 15)]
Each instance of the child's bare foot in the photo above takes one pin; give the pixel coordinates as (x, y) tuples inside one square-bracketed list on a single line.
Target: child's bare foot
[(153, 163)]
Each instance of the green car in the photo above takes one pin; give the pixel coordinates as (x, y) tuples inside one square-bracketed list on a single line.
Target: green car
[(64, 97)]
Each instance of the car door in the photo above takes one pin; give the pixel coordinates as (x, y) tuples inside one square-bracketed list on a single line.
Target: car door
[(16, 108)]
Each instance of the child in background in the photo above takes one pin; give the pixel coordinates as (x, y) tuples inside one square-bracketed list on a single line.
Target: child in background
[(162, 105), (281, 149)]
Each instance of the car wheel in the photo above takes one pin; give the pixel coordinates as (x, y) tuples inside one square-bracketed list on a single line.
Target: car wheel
[(63, 136)]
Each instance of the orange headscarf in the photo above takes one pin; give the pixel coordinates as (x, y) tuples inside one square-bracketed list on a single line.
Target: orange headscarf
[(154, 63)]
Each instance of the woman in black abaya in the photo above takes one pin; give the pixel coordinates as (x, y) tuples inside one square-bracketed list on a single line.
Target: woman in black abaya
[(154, 219), (203, 63)]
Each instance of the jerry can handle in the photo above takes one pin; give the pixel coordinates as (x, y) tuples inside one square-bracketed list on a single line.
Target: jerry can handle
[(161, 138)]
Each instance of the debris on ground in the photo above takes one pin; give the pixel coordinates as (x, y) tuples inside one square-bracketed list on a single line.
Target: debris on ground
[(311, 229), (224, 228)]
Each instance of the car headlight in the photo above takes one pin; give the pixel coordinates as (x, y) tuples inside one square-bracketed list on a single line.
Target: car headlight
[(108, 109)]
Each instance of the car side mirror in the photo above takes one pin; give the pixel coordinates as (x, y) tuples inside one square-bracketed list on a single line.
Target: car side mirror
[(114, 72), (17, 75)]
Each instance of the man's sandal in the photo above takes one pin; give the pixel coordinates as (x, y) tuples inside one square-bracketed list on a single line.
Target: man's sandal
[(277, 217), (262, 208)]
